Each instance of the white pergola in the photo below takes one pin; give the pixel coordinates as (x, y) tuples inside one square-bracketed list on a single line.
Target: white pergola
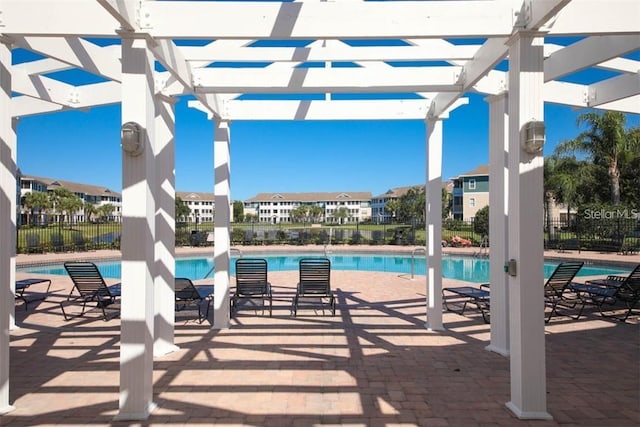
[(332, 59)]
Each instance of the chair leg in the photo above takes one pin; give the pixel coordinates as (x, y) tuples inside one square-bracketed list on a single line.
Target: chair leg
[(201, 318), (69, 317), (553, 309), (64, 314)]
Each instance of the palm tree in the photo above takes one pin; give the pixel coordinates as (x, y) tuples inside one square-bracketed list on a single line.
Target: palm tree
[(315, 213), (393, 207), (36, 201), (341, 213), (183, 211), (90, 210), (604, 142), (562, 179), (105, 211)]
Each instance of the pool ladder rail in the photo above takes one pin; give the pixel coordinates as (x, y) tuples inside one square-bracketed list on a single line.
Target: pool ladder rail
[(483, 252), (413, 258), (231, 250)]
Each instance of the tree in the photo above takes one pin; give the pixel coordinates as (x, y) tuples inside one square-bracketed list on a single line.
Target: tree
[(251, 217), (65, 203), (316, 213), (36, 201), (413, 205), (238, 210), (393, 207), (604, 142), (182, 210), (90, 210), (481, 221), (105, 211), (341, 213), (563, 177), (447, 200), (299, 214)]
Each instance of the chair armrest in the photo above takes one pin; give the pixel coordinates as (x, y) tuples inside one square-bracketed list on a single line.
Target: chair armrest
[(609, 282)]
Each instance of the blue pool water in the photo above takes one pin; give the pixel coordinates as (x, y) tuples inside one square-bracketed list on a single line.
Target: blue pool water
[(465, 268)]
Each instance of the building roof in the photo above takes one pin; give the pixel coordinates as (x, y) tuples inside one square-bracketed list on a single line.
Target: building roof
[(310, 197), (75, 187), (398, 191), (194, 195), (479, 171)]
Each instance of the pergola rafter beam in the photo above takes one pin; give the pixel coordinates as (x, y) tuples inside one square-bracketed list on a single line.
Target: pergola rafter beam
[(327, 110), (47, 89), (602, 17), (614, 89), (41, 66), (76, 52), (494, 50), (630, 104), (261, 20), (586, 52), (23, 106), (308, 20), (621, 65), (491, 52), (535, 14), (315, 80), (55, 18), (134, 16), (320, 54)]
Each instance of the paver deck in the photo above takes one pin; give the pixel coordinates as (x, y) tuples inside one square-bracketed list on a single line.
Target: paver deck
[(373, 364)]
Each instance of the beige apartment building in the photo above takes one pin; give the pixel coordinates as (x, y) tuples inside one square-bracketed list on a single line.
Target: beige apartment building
[(93, 194), (276, 208)]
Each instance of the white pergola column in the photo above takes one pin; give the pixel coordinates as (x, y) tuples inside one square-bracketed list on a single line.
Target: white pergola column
[(433, 196), (526, 296), (498, 215), (222, 240), (138, 236), (165, 243), (7, 223), (13, 235)]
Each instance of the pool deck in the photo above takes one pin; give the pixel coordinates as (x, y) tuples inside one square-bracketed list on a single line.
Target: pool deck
[(373, 364)]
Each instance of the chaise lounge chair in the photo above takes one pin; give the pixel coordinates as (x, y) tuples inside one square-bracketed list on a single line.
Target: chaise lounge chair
[(315, 283), (91, 287), (22, 285), (614, 291), (251, 283), (189, 294), (468, 295), (556, 292), (557, 289)]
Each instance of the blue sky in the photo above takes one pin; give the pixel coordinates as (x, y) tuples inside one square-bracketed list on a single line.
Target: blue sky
[(274, 156), (311, 156)]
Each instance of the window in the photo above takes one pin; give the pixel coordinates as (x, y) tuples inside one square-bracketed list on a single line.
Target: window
[(472, 202), (472, 184)]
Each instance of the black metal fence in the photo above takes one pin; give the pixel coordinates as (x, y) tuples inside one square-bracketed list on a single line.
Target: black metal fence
[(594, 233), (605, 235), (68, 237)]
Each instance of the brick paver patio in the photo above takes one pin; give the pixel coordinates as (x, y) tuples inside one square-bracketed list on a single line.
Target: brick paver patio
[(373, 364)]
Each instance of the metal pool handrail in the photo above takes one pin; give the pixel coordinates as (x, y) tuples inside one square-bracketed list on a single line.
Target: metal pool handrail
[(413, 254), (231, 250)]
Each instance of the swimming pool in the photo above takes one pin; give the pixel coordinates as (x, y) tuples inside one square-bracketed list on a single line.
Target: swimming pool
[(465, 268)]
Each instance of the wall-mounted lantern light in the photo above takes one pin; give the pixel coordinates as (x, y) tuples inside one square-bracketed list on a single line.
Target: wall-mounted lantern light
[(534, 136), (132, 138)]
